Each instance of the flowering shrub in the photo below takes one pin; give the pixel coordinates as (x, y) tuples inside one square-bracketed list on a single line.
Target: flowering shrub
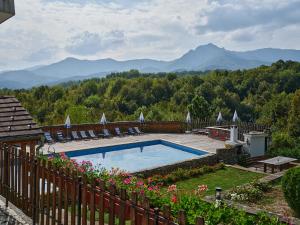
[(192, 203), (183, 174), (251, 192)]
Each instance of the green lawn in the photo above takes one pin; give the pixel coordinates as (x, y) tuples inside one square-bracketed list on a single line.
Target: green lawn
[(225, 178)]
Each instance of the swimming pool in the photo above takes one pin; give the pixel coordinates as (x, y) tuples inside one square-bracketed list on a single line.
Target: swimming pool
[(137, 156)]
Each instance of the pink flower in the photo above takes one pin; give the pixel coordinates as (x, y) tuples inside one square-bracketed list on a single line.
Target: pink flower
[(112, 181), (153, 188), (63, 155), (201, 188), (81, 170), (127, 181), (174, 199), (172, 188), (139, 183)]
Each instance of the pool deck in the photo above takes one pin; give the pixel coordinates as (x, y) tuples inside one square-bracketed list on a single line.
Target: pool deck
[(200, 142)]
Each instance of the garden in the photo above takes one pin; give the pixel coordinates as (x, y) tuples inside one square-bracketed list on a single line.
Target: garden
[(180, 190)]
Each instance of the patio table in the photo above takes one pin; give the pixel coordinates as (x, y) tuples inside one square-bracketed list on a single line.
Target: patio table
[(277, 162)]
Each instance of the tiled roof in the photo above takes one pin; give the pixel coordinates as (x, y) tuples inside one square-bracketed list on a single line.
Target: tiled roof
[(15, 121)]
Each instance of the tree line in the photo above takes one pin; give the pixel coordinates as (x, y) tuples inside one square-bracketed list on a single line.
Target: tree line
[(268, 94)]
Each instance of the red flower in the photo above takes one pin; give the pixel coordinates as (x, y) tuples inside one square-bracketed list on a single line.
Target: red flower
[(174, 199)]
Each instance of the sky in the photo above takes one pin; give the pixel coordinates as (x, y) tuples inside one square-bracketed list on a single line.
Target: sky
[(46, 31)]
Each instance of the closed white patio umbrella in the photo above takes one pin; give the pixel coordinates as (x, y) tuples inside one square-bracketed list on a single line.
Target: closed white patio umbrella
[(141, 118), (188, 121), (103, 119), (68, 124), (235, 117), (188, 118), (220, 118)]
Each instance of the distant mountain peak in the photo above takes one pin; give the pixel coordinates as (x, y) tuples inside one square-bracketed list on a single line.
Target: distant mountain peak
[(208, 46), (204, 57), (69, 59)]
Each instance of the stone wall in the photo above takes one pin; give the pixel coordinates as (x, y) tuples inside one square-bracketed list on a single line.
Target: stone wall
[(211, 159), (225, 155), (228, 155)]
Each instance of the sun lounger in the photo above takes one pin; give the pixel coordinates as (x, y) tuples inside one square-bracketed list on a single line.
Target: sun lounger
[(118, 132), (83, 134), (60, 136), (74, 135), (48, 137), (92, 134), (131, 131), (137, 130), (106, 133)]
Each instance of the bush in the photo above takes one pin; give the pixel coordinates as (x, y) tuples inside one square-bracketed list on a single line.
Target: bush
[(251, 192), (291, 188), (183, 174), (282, 140)]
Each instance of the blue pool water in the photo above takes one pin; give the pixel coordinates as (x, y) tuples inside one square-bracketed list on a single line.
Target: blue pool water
[(137, 156)]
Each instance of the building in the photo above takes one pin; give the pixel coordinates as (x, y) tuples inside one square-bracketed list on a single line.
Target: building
[(7, 10), (17, 127)]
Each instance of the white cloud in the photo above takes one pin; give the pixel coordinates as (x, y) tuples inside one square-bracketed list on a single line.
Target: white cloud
[(45, 31)]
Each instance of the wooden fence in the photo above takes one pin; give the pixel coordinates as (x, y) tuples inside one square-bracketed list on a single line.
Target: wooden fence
[(56, 196)]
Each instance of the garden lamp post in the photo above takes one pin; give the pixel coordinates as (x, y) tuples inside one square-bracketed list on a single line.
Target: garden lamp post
[(218, 194)]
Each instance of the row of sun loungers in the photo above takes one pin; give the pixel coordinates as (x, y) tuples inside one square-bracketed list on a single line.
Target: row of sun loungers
[(90, 134)]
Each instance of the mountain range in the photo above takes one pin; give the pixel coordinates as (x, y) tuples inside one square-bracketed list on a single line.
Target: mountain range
[(204, 57)]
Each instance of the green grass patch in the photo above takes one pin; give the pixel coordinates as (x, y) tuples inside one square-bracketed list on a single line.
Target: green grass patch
[(226, 178)]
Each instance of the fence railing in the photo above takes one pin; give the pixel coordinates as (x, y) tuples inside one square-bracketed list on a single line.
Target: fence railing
[(56, 196), (243, 127)]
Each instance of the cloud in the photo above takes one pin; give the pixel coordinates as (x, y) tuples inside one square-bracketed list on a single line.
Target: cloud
[(42, 54), (230, 15), (85, 44), (88, 43), (46, 31)]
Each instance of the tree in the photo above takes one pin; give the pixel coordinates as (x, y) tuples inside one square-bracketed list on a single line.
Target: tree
[(291, 188), (294, 116), (199, 108)]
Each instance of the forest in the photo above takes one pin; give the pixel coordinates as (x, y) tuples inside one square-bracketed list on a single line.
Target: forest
[(267, 95)]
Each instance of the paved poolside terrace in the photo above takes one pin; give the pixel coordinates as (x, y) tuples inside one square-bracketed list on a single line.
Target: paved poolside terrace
[(200, 142)]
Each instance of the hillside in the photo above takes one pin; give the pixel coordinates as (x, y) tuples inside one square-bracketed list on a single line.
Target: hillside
[(204, 57)]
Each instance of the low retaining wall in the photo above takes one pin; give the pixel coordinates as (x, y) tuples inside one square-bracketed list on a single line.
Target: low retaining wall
[(228, 156), (149, 127), (211, 159)]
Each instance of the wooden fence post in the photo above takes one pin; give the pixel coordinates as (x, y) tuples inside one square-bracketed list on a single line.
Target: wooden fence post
[(122, 207), (167, 214), (54, 176), (146, 206), (181, 218), (134, 201), (92, 203), (66, 196), (101, 202), (34, 190), (156, 216), (112, 191), (200, 221), (82, 198)]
